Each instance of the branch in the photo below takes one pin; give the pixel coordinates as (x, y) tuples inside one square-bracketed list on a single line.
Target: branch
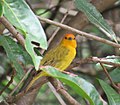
[(55, 32), (104, 60), (27, 98), (20, 82), (90, 36), (9, 83), (107, 74), (58, 28), (14, 32), (57, 85), (56, 94), (78, 62)]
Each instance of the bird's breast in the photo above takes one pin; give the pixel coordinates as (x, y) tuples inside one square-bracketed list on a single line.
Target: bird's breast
[(68, 58)]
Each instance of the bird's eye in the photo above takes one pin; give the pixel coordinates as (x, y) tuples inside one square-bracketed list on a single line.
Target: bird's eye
[(69, 38), (65, 37)]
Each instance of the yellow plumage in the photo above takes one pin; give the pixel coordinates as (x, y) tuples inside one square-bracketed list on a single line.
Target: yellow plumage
[(59, 57)]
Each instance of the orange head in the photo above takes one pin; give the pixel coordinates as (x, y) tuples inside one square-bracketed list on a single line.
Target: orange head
[(69, 40)]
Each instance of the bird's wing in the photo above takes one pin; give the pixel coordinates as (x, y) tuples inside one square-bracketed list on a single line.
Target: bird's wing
[(54, 56)]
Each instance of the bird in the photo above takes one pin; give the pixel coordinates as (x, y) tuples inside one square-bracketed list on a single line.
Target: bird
[(59, 57)]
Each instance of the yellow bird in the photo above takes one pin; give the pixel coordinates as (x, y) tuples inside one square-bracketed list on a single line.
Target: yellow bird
[(59, 57)]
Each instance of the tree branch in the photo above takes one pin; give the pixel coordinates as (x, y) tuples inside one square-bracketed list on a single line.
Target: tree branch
[(14, 32), (26, 74), (62, 102), (9, 83), (78, 62), (90, 36), (63, 92), (27, 98), (107, 74)]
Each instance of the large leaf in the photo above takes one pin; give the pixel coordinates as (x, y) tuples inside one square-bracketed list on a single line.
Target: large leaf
[(115, 74), (1, 9), (95, 17), (15, 53), (21, 16), (81, 86), (112, 95), (10, 48)]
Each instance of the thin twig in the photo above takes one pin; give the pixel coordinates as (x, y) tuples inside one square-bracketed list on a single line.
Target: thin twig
[(58, 28), (104, 60), (90, 36), (107, 74), (9, 83), (14, 32), (20, 82), (78, 62), (56, 94), (63, 19)]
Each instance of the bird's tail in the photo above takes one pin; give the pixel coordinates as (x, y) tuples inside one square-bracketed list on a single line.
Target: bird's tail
[(41, 74)]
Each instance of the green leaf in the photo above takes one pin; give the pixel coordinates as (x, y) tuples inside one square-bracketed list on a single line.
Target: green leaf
[(15, 51), (10, 48), (95, 17), (36, 59), (115, 74), (112, 95), (1, 9), (21, 16), (81, 86)]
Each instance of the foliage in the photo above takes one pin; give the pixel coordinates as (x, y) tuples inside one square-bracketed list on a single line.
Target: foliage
[(77, 84), (95, 17), (32, 30), (113, 96)]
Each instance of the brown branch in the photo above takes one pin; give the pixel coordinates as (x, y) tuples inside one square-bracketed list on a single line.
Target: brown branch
[(57, 85), (2, 28), (78, 62), (20, 82), (27, 98), (107, 74), (56, 94), (15, 33), (58, 28), (90, 36), (104, 60), (55, 32), (9, 83), (4, 103)]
